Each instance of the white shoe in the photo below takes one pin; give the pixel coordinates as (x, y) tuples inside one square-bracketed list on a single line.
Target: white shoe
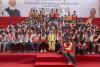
[(45, 50), (41, 51), (70, 63), (88, 52), (93, 53)]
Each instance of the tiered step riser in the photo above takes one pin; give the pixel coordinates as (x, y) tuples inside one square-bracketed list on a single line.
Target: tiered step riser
[(57, 60), (18, 58), (54, 59), (94, 59), (88, 58), (54, 66), (36, 59)]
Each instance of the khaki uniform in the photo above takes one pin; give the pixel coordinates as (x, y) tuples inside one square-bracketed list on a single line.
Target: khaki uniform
[(52, 41)]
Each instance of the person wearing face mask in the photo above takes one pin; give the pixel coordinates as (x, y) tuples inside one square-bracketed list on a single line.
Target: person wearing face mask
[(11, 9)]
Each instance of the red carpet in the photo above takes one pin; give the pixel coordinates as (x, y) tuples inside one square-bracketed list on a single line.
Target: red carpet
[(88, 64), (88, 61), (33, 60)]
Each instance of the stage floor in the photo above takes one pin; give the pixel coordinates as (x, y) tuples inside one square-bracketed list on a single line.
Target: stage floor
[(31, 59), (88, 60)]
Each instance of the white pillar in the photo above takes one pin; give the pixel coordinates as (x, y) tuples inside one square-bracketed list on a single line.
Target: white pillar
[(0, 7), (99, 8)]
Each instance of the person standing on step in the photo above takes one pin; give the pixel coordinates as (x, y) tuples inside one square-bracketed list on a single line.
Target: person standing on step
[(52, 41)]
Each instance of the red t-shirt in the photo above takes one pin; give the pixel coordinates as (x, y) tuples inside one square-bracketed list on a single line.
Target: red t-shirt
[(36, 39), (43, 39), (68, 51)]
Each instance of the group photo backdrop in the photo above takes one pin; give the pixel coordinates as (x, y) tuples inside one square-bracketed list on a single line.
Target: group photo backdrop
[(82, 7)]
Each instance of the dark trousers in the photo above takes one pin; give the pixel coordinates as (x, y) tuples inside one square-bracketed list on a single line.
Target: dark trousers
[(11, 46), (36, 47), (1, 47), (96, 48), (76, 50), (91, 47), (21, 47), (57, 47), (29, 46), (43, 46), (79, 50), (71, 58)]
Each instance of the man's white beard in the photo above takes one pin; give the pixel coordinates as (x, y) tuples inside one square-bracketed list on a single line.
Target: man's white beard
[(12, 8)]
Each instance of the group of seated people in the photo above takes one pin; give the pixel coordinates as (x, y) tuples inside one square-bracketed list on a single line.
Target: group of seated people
[(69, 36), (53, 36), (53, 14)]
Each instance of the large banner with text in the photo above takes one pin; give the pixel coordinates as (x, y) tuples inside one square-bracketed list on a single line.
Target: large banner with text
[(23, 7)]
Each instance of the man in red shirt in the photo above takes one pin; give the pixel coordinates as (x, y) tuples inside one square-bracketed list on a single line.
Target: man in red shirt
[(68, 51)]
